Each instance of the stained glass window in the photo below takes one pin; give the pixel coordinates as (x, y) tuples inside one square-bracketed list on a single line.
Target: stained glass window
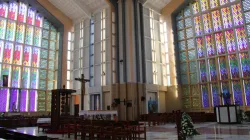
[(29, 35), (237, 15), (204, 5), (207, 23), (210, 45), (197, 24), (8, 50), (26, 55), (226, 16), (223, 68), (216, 20), (22, 12), (16, 71), (14, 93), (37, 37), (241, 39), (183, 68), (35, 57), (3, 9), (200, 48), (231, 46), (215, 94), (24, 100), (11, 29), (31, 16), (33, 79), (245, 64), (39, 20), (212, 70), (205, 96), (13, 6), (234, 68), (222, 2), (195, 6), (20, 33), (17, 54), (26, 77), (214, 3), (219, 39), (4, 99), (247, 91), (237, 92), (2, 28), (33, 101), (225, 89), (203, 72)]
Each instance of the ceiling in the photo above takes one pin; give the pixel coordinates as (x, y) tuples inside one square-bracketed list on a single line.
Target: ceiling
[(80, 9)]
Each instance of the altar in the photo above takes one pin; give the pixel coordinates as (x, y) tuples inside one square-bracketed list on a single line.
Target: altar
[(228, 114), (99, 114)]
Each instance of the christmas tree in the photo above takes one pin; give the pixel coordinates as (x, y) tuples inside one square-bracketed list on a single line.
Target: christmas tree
[(187, 127)]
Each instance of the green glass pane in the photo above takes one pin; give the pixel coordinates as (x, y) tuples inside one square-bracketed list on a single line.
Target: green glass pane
[(193, 78), (50, 85), (41, 106), (45, 43), (180, 35), (187, 12), (51, 65), (52, 35), (42, 84), (190, 44), (182, 46), (189, 32), (183, 67), (48, 106), (46, 24), (186, 102), (191, 55), (52, 45), (183, 56), (180, 24), (188, 22), (196, 102), (44, 54), (185, 90), (192, 66), (49, 96), (51, 75), (184, 79), (179, 16), (43, 63), (52, 28), (43, 74), (41, 95), (52, 55), (45, 34)]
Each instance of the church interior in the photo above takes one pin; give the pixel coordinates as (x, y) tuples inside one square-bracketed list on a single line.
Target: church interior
[(125, 69)]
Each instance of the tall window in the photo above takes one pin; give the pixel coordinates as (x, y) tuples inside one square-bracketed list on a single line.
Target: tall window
[(91, 53), (103, 45), (70, 59), (214, 51), (28, 54)]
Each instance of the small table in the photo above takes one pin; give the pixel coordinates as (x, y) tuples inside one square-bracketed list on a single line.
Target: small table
[(228, 114), (94, 114)]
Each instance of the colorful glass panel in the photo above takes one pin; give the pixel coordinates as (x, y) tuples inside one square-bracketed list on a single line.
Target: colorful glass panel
[(13, 7), (37, 37), (203, 71), (207, 23), (200, 48), (8, 50), (237, 92), (226, 17), (22, 12), (245, 64), (219, 39), (225, 89), (214, 3), (4, 93), (204, 5), (233, 66), (1, 51), (212, 70), (222, 2), (3, 9), (20, 33), (237, 14), (17, 54), (39, 20), (24, 100), (31, 16), (217, 20), (247, 91), (241, 39), (33, 101), (26, 55), (246, 5), (196, 7), (16, 76), (26, 77), (2, 28), (210, 45), (223, 68), (11, 30), (13, 105), (197, 24), (33, 80), (205, 96), (215, 94), (35, 57), (231, 47), (29, 35)]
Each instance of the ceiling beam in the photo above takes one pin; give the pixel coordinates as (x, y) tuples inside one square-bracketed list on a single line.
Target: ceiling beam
[(84, 8)]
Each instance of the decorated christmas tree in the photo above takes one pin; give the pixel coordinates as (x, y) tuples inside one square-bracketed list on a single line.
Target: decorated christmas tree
[(187, 127)]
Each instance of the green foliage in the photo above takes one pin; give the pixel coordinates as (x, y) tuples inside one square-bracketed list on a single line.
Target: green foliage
[(187, 127)]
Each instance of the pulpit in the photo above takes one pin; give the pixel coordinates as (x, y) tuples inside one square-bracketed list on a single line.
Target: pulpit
[(228, 114), (60, 105)]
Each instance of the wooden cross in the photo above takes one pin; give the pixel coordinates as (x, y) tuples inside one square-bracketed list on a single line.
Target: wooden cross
[(83, 81)]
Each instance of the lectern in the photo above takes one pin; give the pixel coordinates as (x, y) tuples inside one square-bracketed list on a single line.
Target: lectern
[(60, 105)]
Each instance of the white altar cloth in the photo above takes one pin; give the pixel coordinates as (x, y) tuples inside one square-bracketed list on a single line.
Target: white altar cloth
[(97, 112), (43, 120)]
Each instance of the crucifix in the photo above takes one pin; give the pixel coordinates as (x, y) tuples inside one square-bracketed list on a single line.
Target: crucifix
[(83, 81)]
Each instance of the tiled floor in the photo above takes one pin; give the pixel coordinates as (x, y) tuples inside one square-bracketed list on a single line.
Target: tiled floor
[(209, 131)]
